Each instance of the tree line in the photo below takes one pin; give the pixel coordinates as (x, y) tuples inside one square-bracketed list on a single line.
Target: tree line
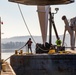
[(12, 45)]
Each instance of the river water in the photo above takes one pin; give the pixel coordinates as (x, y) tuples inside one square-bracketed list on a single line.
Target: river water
[(7, 53)]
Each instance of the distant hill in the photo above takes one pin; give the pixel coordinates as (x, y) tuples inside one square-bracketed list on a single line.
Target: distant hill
[(38, 39), (8, 44), (21, 39)]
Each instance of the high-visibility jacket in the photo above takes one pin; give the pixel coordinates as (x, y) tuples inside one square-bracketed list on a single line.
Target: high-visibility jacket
[(58, 42)]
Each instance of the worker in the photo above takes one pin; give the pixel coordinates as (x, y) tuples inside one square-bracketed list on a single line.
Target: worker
[(29, 43), (58, 42)]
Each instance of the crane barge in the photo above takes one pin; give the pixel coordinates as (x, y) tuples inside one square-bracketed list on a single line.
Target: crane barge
[(54, 63)]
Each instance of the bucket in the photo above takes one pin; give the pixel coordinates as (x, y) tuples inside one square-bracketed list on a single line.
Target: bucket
[(4, 67)]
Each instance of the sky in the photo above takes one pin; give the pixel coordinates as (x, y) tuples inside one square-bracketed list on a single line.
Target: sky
[(13, 24)]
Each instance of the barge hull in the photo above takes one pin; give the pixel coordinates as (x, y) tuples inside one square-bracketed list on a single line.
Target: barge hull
[(44, 64)]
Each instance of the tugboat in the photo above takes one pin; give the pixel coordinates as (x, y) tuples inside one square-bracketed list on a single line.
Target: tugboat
[(49, 59)]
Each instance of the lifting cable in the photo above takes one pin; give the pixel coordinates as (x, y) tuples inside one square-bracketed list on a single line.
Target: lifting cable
[(29, 33), (25, 22)]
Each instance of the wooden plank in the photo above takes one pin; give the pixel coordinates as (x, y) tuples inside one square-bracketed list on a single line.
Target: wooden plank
[(8, 70)]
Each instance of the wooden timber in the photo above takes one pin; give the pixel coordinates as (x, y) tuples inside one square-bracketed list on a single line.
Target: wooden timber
[(8, 70)]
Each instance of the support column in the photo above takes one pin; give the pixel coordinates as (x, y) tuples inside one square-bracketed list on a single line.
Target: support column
[(0, 44), (50, 27)]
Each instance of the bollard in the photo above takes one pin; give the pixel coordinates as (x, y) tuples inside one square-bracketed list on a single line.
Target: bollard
[(21, 52), (16, 52)]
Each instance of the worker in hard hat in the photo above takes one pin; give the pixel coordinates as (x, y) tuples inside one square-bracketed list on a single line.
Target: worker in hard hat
[(29, 43), (58, 43)]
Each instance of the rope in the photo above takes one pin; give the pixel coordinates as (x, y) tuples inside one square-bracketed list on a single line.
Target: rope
[(25, 21), (13, 54)]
